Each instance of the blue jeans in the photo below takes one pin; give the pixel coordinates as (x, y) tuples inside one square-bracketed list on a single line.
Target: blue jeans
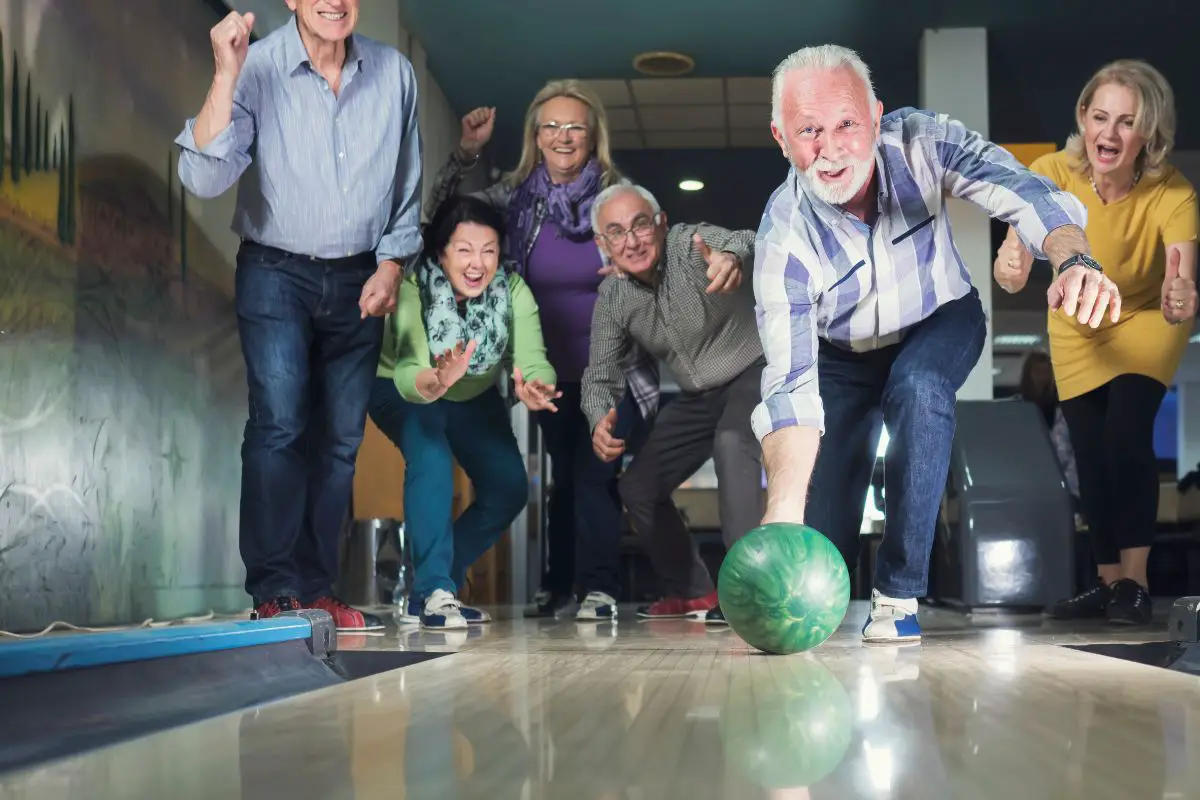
[(310, 360), (913, 386), (478, 434)]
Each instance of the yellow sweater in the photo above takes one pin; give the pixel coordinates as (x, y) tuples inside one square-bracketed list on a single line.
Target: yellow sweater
[(1128, 238)]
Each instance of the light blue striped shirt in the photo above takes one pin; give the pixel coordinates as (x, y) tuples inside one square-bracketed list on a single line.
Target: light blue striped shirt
[(322, 175), (821, 273)]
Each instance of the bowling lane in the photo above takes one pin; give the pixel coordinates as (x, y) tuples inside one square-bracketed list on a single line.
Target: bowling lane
[(671, 709)]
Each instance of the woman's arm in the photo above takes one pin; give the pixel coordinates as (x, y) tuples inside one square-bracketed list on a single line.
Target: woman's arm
[(528, 347), (415, 379), (476, 131)]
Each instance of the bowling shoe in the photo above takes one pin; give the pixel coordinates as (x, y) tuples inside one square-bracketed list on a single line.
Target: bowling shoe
[(597, 606), (443, 611), (274, 607), (891, 620), (1091, 604), (696, 608), (1131, 604), (415, 608), (346, 618)]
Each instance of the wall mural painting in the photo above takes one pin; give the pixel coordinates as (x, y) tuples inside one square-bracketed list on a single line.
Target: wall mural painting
[(122, 390)]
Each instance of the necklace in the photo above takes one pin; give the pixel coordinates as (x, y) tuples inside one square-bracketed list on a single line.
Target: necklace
[(1137, 176)]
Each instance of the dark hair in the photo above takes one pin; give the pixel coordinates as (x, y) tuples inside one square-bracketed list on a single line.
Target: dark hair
[(1045, 396), (456, 210)]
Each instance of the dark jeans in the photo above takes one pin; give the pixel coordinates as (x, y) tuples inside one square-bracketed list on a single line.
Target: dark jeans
[(1112, 434), (478, 434), (913, 385), (692, 428), (583, 530), (310, 359)]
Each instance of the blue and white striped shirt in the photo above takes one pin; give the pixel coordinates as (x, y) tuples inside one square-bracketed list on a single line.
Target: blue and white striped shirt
[(821, 273), (329, 175)]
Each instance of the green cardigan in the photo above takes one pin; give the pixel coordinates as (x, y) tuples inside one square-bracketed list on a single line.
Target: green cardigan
[(406, 345)]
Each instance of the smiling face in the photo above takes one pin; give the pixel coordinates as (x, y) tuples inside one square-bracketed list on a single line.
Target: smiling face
[(564, 136), (829, 130), (1109, 130), (626, 229), (326, 20), (470, 259)]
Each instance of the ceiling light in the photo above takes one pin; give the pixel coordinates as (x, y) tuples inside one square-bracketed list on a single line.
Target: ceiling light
[(1016, 340), (663, 64), (691, 185)]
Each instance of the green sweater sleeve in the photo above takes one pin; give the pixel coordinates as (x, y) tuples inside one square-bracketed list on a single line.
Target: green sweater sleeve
[(526, 347), (410, 341)]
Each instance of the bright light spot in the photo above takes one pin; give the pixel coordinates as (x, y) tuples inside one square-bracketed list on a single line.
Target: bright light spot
[(691, 185)]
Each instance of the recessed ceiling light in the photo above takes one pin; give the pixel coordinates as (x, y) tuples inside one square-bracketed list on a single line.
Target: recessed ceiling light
[(691, 185), (663, 64), (1017, 340)]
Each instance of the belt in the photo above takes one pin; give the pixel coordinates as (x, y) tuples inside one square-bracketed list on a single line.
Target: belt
[(356, 260)]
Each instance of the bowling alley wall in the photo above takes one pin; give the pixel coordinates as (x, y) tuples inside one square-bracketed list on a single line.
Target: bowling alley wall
[(122, 389)]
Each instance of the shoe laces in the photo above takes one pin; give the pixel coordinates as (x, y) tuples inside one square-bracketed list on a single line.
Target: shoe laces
[(599, 599)]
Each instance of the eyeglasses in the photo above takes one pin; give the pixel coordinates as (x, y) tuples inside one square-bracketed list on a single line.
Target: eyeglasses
[(553, 129), (643, 228)]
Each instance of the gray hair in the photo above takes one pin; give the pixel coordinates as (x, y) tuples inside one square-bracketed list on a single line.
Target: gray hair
[(822, 57), (613, 191)]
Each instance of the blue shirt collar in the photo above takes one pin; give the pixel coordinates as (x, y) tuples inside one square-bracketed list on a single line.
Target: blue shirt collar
[(832, 215), (296, 54)]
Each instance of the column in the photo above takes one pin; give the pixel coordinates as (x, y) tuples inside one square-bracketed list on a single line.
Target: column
[(954, 81), (1188, 430)]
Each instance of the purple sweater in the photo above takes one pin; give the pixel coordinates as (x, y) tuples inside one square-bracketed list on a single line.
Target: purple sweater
[(564, 276)]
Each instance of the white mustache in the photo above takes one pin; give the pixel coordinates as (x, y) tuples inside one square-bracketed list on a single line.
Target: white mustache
[(823, 164)]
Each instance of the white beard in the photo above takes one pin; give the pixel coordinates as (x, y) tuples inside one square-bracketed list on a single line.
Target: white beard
[(836, 195)]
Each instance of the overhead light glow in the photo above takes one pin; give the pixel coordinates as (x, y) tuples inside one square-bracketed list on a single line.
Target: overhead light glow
[(1017, 340), (691, 185)]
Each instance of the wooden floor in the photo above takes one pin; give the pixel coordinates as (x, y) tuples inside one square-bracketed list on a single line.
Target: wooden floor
[(672, 709)]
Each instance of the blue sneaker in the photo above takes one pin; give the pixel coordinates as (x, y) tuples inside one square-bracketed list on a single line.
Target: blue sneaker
[(442, 611), (597, 606), (891, 620), (415, 607)]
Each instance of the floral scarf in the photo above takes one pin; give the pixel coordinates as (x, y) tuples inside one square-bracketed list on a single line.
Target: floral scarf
[(484, 319)]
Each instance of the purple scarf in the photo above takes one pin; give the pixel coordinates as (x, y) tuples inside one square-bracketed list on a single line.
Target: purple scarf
[(568, 205)]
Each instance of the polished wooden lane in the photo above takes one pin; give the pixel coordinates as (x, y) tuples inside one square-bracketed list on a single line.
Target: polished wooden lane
[(672, 709)]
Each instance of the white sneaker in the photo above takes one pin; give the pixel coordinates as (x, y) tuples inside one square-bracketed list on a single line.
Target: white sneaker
[(597, 606), (443, 612), (891, 620)]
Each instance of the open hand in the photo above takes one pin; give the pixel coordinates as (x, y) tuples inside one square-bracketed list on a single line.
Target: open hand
[(230, 42), (451, 365), (477, 127), (1178, 293), (536, 395), (378, 296), (1012, 265), (603, 444), (724, 269), (1086, 294)]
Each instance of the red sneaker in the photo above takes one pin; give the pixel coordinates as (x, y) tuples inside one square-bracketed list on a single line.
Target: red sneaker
[(274, 607), (346, 618), (680, 607)]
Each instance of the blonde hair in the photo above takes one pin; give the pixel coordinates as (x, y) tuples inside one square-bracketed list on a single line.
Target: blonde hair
[(597, 124), (1154, 122)]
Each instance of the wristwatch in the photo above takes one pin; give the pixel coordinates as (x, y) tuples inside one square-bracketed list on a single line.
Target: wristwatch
[(1079, 258)]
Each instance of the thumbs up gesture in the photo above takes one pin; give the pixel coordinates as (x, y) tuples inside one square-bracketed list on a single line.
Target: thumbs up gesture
[(1178, 291), (724, 269)]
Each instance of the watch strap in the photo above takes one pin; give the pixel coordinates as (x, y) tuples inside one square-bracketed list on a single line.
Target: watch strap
[(1079, 258)]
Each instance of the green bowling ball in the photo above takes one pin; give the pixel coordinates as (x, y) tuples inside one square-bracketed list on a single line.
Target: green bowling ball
[(786, 728), (784, 588)]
